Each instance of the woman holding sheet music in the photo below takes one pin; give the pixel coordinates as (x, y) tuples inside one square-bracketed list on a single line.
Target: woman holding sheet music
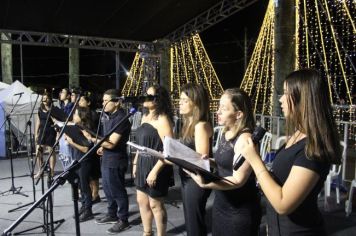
[(236, 209), (82, 117), (86, 101), (45, 135), (196, 133), (153, 176)]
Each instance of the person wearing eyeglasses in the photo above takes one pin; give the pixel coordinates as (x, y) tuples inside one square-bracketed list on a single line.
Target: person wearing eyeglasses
[(114, 163)]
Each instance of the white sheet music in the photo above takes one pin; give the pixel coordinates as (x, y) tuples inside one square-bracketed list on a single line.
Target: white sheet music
[(61, 124), (146, 150), (174, 148)]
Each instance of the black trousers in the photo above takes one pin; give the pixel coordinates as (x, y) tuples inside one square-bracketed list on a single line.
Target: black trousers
[(194, 202), (84, 177), (113, 181)]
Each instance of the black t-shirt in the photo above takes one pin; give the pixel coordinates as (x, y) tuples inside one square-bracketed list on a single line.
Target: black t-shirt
[(113, 157), (306, 219)]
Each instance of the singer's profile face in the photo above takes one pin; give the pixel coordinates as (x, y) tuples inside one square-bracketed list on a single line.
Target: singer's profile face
[(63, 95), (227, 114), (73, 97), (149, 104), (108, 105), (83, 102), (284, 101), (45, 99), (186, 105)]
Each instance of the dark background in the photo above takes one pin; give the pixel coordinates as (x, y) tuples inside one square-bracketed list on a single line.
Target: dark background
[(224, 42)]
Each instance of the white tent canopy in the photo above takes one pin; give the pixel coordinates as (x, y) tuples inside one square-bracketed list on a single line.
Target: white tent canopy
[(21, 113), (3, 86)]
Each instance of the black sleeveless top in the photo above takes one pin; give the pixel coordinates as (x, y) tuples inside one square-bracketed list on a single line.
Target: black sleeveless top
[(224, 160), (49, 134), (191, 145), (147, 135)]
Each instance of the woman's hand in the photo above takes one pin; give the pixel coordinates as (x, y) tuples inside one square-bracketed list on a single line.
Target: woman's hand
[(197, 178), (86, 134), (100, 151), (68, 139), (134, 168), (248, 151), (205, 157), (151, 178)]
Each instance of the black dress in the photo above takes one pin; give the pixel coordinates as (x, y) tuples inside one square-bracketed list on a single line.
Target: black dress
[(236, 211), (49, 134), (306, 219), (147, 135), (194, 202)]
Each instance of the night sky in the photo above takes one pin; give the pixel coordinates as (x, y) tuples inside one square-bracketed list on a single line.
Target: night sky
[(224, 42)]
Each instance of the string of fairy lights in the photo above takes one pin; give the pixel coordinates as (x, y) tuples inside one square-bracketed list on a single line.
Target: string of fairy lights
[(258, 80), (326, 40), (190, 63), (143, 73)]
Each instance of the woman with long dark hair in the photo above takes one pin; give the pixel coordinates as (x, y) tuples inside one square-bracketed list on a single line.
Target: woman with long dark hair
[(82, 117), (153, 176), (196, 133), (45, 135), (302, 164), (86, 101)]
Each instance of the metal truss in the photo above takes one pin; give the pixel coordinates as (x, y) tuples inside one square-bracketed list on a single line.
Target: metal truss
[(212, 16), (73, 41)]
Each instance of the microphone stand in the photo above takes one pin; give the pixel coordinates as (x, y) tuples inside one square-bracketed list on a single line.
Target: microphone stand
[(13, 189), (65, 175), (45, 209), (28, 125), (45, 166)]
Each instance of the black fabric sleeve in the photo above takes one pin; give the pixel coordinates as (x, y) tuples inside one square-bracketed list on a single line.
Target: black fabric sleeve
[(313, 165), (124, 127)]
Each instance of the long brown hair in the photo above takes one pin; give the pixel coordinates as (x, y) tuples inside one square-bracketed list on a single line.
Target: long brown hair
[(162, 101), (86, 117), (241, 102), (49, 99), (311, 113), (200, 99)]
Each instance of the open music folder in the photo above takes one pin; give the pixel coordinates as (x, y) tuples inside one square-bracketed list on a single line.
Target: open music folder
[(75, 132), (58, 114), (184, 157)]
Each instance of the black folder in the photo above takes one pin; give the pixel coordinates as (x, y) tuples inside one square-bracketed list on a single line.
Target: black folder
[(75, 133), (58, 114), (92, 133), (207, 175)]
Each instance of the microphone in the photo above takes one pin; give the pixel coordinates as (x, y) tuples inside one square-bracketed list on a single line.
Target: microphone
[(257, 135), (135, 99), (18, 94)]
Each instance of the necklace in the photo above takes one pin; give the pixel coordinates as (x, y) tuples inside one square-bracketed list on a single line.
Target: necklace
[(294, 138)]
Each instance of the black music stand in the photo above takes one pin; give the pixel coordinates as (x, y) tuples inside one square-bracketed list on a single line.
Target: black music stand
[(13, 189), (61, 179), (28, 125)]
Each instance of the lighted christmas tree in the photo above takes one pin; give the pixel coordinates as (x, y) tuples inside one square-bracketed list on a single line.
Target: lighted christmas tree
[(258, 80), (189, 63)]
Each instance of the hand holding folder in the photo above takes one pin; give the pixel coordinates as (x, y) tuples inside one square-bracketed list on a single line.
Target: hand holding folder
[(184, 157), (76, 134)]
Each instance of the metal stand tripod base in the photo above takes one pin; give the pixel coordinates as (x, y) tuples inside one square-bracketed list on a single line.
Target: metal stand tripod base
[(18, 208), (45, 228), (14, 190)]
